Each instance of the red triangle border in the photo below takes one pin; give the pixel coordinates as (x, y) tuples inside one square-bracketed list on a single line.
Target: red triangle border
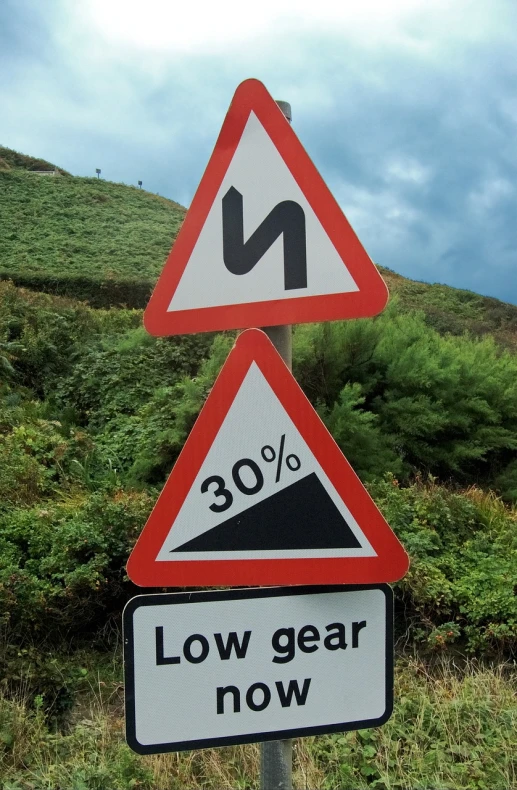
[(391, 562), (370, 299)]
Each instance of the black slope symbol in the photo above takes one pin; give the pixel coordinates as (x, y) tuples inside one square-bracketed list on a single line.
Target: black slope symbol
[(301, 516)]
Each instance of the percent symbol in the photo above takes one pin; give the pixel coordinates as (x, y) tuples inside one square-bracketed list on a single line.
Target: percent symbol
[(217, 485), (292, 461)]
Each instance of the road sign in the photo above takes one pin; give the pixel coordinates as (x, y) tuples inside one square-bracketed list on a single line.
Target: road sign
[(264, 242), (261, 494), (238, 666)]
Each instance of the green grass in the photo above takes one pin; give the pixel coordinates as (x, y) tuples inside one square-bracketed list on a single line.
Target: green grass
[(455, 310), (84, 237), (106, 243), (92, 406), (452, 729)]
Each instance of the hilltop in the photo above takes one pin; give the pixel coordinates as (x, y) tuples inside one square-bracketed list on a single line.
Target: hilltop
[(14, 160), (455, 310), (106, 243), (91, 239)]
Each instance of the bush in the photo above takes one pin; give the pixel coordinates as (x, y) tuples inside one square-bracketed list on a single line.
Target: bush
[(446, 405), (463, 550), (37, 455), (63, 565)]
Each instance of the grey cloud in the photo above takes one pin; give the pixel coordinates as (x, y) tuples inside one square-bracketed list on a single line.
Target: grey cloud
[(415, 137)]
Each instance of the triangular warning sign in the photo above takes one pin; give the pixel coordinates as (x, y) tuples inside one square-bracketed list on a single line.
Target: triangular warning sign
[(261, 494), (264, 242)]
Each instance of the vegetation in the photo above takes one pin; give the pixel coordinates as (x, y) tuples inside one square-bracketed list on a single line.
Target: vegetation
[(455, 310), (106, 243), (10, 159), (84, 237), (451, 728), (398, 395), (93, 414)]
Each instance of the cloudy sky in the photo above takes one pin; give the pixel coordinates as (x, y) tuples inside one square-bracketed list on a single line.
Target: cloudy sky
[(407, 107)]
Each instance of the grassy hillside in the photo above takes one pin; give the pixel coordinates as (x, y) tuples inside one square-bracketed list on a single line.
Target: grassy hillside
[(455, 310), (93, 414), (98, 241), (10, 159), (106, 243)]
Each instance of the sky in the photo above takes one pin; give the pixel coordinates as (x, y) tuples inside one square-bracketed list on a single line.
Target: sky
[(408, 108)]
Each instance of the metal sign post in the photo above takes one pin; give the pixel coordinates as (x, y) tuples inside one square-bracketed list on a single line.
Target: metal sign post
[(270, 663), (276, 757)]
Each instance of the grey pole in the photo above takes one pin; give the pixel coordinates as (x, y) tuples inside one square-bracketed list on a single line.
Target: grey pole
[(276, 757)]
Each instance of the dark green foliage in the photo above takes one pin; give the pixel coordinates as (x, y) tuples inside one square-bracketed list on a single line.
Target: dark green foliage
[(42, 334), (45, 679), (445, 405), (136, 396), (131, 292), (463, 549), (91, 402), (151, 439), (140, 422), (120, 373), (62, 571), (506, 481), (357, 432), (37, 456), (93, 407)]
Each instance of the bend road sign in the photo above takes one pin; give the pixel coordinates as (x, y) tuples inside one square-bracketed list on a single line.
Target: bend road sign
[(261, 493), (238, 666), (264, 242)]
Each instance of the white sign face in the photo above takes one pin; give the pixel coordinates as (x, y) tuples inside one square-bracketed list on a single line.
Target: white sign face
[(264, 242), (261, 492), (261, 177), (238, 666)]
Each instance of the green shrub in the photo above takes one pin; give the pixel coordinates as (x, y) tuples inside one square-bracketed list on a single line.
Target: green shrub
[(62, 568), (463, 549), (358, 434), (446, 405), (116, 376), (37, 455)]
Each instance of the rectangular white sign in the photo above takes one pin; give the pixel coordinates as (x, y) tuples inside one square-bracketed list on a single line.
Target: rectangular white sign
[(236, 666)]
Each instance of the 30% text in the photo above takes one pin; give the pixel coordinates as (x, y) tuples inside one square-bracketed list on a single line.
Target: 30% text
[(252, 481)]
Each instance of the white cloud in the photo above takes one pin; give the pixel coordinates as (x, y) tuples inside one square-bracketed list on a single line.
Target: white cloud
[(407, 169), (410, 102), (488, 194), (381, 218), (209, 26)]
